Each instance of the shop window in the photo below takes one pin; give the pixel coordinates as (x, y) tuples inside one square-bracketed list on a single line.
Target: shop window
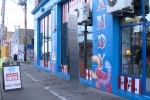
[(85, 53), (45, 41), (131, 50), (81, 54)]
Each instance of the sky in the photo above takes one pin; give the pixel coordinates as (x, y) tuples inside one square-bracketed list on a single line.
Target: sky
[(14, 14)]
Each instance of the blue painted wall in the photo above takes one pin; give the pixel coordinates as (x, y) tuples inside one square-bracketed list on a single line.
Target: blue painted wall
[(102, 46)]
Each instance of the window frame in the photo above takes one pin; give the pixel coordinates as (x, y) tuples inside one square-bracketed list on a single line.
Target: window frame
[(120, 46), (45, 40)]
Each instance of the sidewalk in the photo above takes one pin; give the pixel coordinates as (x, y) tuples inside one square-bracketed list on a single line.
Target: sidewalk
[(41, 85)]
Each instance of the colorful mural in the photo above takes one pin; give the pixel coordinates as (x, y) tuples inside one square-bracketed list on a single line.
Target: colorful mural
[(101, 41), (19, 50), (30, 53), (101, 21), (53, 46), (102, 50), (101, 5), (102, 78)]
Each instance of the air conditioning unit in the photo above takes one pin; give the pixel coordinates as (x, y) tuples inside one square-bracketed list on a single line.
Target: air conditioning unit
[(119, 6), (83, 12)]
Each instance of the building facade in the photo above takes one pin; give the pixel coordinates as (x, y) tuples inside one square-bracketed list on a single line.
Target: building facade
[(18, 39), (113, 55)]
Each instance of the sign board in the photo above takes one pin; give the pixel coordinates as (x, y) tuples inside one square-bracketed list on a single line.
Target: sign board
[(11, 77)]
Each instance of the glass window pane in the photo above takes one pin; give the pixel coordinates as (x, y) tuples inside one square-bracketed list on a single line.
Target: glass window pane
[(147, 13), (89, 50), (81, 55), (132, 51)]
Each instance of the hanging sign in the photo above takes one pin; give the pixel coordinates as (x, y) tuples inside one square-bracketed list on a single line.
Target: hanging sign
[(11, 77)]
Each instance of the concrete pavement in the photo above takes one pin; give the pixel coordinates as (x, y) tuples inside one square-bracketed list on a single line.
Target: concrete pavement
[(41, 85)]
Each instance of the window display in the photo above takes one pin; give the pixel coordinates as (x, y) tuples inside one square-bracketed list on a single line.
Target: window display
[(85, 41), (131, 47)]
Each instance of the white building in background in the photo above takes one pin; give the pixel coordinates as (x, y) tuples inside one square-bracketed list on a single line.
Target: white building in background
[(18, 38)]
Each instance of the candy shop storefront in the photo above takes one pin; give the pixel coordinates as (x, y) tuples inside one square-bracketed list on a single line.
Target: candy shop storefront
[(113, 54)]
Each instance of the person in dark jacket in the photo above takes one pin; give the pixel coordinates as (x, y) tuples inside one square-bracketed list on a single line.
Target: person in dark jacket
[(139, 56)]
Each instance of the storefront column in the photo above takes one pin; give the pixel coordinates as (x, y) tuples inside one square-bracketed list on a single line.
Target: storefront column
[(116, 54), (58, 22), (37, 26)]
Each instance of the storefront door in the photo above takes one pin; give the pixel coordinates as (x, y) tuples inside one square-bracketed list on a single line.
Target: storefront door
[(146, 59)]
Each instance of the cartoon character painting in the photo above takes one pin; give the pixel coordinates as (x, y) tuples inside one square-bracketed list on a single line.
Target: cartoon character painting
[(103, 79)]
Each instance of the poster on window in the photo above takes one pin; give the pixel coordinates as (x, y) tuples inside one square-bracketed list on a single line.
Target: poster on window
[(11, 78)]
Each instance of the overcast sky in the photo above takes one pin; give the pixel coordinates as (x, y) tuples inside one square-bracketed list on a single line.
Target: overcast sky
[(14, 14)]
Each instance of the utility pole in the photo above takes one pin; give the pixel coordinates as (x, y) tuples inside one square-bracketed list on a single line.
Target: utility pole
[(25, 30), (2, 21), (24, 3)]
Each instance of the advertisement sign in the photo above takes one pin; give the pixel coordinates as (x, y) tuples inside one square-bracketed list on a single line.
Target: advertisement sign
[(11, 77)]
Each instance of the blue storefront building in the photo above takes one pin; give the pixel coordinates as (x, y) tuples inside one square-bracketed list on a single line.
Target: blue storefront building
[(113, 54)]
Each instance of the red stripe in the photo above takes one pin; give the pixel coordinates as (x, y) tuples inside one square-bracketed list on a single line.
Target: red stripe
[(140, 86), (133, 85), (125, 83), (119, 80)]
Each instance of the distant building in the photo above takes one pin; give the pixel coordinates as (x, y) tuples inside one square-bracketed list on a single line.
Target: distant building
[(18, 38), (8, 40)]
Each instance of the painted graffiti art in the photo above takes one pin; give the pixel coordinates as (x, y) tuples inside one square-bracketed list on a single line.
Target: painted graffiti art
[(53, 67), (101, 5), (103, 79), (53, 56), (53, 50), (30, 54), (101, 41), (101, 22)]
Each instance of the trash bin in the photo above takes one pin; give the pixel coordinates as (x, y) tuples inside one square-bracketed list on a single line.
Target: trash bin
[(15, 57)]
